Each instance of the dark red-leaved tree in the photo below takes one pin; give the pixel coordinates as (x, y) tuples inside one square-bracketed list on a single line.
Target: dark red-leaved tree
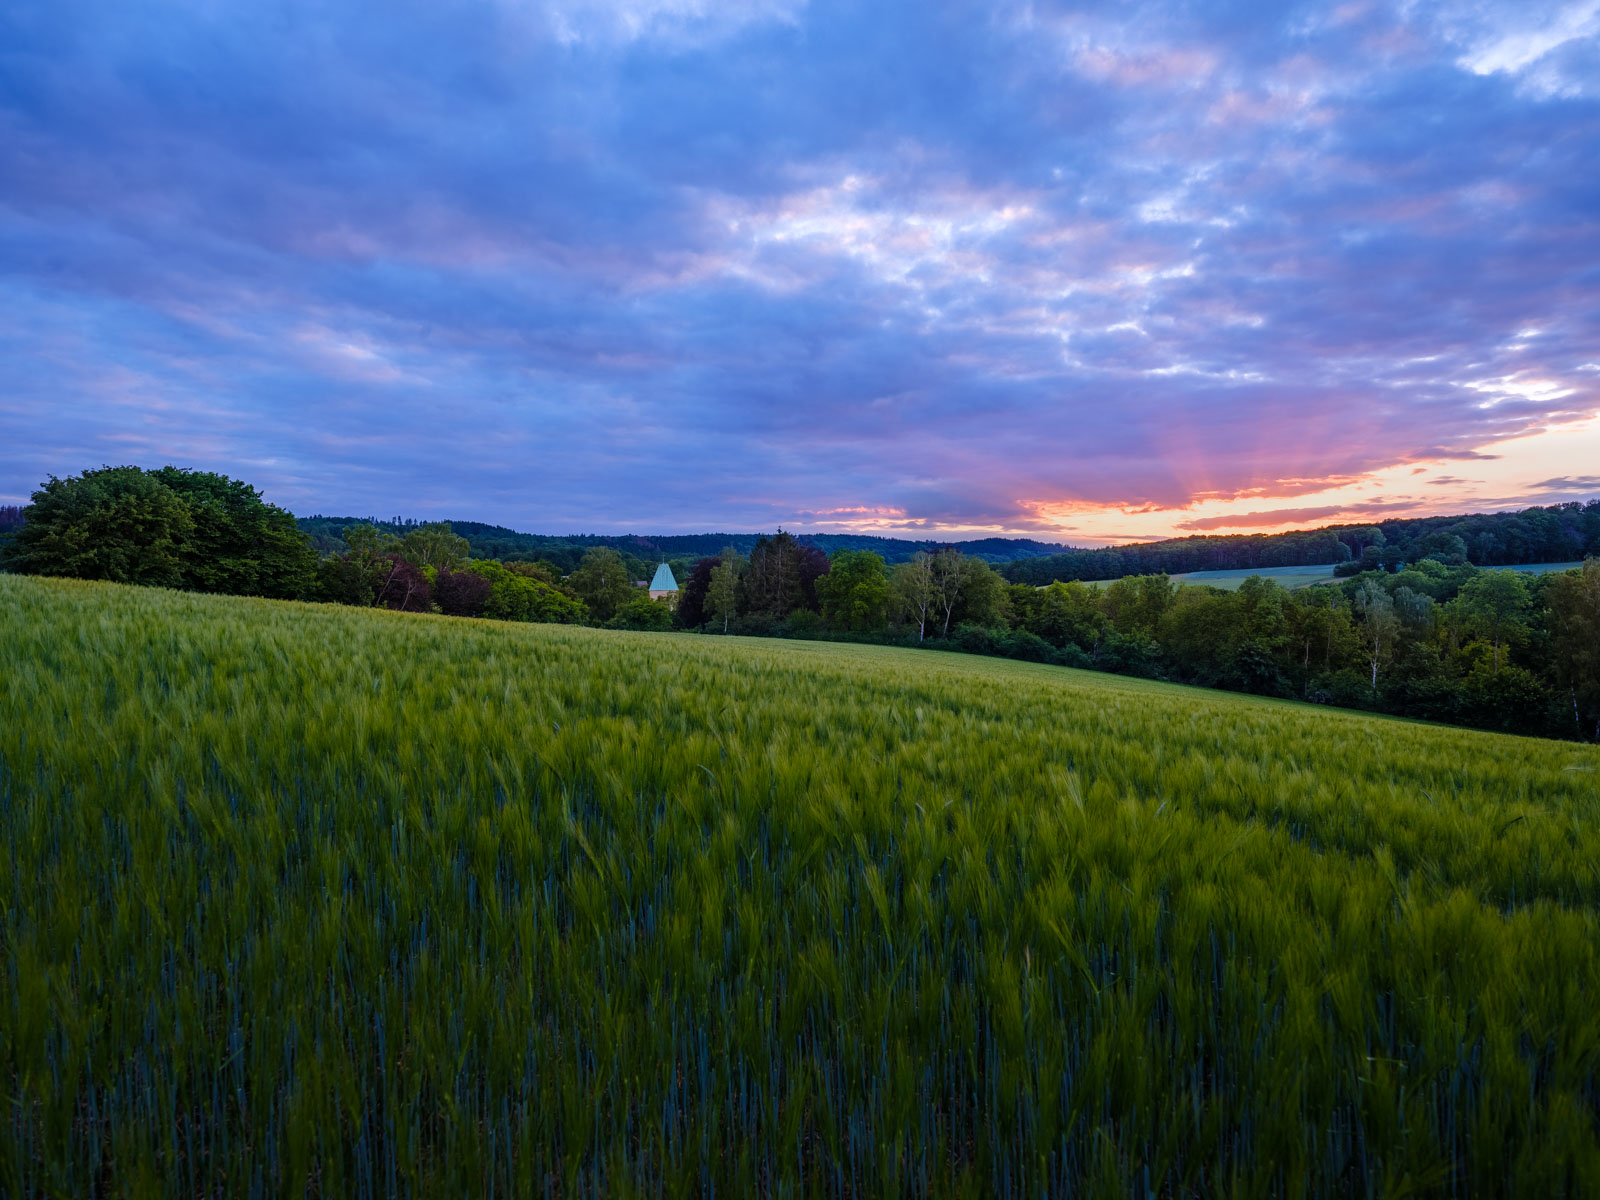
[(692, 600), (461, 593), (812, 565), (403, 587)]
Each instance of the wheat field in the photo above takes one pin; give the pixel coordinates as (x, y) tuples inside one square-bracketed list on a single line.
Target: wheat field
[(303, 900)]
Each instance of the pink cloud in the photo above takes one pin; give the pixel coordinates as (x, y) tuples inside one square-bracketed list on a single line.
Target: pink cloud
[(1292, 516)]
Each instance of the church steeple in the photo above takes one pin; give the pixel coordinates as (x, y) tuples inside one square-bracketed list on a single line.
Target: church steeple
[(664, 586)]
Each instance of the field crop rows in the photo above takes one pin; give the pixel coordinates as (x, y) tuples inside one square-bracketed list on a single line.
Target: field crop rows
[(304, 900)]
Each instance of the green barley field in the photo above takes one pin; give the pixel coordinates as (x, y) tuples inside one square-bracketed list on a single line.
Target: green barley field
[(299, 900)]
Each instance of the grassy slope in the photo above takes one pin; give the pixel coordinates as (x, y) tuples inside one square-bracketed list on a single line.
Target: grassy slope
[(1289, 577), (299, 894)]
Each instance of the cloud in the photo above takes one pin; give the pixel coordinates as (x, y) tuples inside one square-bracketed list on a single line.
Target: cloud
[(675, 21), (1359, 511), (682, 264), (1580, 483), (1537, 43), (1257, 520)]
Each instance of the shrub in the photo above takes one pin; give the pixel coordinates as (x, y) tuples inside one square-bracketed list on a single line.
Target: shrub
[(642, 613), (516, 597), (973, 638), (1029, 647)]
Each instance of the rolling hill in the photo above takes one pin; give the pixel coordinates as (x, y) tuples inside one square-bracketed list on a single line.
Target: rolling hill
[(297, 896)]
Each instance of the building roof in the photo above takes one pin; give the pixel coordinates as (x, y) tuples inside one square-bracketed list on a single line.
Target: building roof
[(663, 582)]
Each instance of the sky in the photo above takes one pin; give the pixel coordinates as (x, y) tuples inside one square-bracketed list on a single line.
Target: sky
[(1079, 272)]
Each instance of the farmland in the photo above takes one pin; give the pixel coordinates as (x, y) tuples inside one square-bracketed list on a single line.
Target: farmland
[(1288, 577), (1299, 577), (303, 899)]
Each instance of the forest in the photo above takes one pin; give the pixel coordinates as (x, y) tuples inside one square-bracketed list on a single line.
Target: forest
[(496, 541), (1555, 534), (1559, 533), (1416, 626)]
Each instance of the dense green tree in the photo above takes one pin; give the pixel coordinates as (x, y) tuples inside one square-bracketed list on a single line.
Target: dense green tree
[(1199, 633), (855, 591), (1067, 613), (359, 574), (1495, 605), (1430, 577), (1380, 623), (368, 541), (782, 576), (1443, 547), (642, 613), (239, 544), (1137, 604), (722, 590), (911, 585), (517, 597), (189, 529), (602, 582), (1263, 613), (434, 546), (117, 523), (1575, 616), (1506, 699), (1317, 621), (983, 597), (1416, 610)]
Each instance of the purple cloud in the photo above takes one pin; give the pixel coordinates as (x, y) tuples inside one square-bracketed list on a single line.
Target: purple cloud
[(609, 264)]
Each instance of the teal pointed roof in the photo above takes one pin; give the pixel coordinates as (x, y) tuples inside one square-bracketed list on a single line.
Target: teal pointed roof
[(663, 582)]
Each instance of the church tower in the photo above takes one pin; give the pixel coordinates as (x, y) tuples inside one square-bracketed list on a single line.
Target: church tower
[(664, 586)]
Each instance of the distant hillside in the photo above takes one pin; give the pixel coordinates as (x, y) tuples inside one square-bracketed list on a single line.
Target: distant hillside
[(496, 541), (1560, 533)]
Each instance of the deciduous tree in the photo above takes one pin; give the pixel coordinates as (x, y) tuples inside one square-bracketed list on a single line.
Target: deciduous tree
[(855, 591), (434, 545), (239, 544), (913, 589), (1575, 612), (643, 613), (117, 523), (403, 587), (1494, 604), (515, 597), (1379, 621), (721, 592), (461, 593), (945, 568), (602, 582), (692, 611), (782, 575)]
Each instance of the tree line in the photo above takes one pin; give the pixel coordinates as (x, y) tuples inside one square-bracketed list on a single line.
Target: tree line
[(1555, 534), (1432, 636), (1436, 640), (496, 541)]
